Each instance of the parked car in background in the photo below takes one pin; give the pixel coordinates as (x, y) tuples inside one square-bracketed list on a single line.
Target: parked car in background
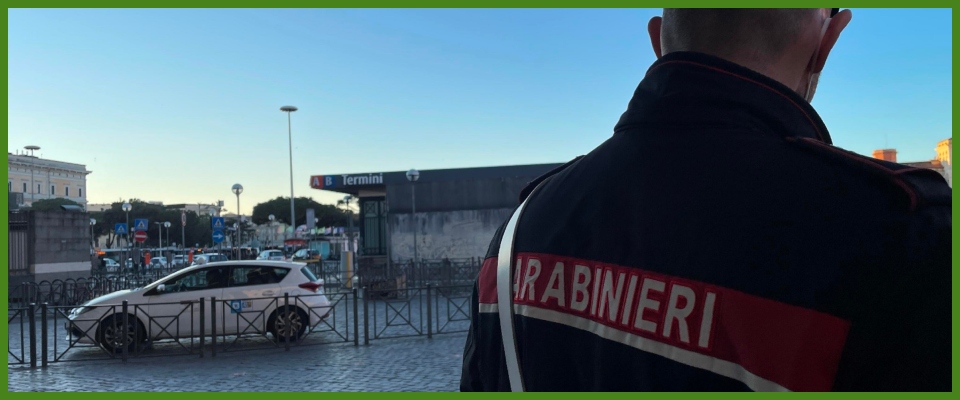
[(248, 287), (111, 264), (209, 258), (158, 262), (307, 255), (272, 255), (179, 261)]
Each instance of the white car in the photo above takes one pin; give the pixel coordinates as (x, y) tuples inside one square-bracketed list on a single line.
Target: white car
[(111, 264), (249, 300), (209, 258), (157, 262), (275, 255)]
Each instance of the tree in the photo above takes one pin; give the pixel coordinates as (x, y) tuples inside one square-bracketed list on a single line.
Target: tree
[(328, 215), (53, 204), (197, 231)]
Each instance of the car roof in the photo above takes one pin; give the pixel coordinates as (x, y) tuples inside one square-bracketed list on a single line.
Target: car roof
[(285, 264)]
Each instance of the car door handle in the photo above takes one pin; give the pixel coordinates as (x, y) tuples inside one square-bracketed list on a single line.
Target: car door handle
[(268, 293)]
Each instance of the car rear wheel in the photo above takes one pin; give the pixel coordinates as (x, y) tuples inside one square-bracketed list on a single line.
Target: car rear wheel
[(279, 327)]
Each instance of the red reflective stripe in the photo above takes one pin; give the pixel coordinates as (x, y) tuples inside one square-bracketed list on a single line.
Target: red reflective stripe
[(487, 281), (794, 347)]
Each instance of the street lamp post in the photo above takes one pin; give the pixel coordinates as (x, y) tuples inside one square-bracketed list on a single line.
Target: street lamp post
[(183, 234), (237, 189), (32, 149), (213, 213), (346, 200), (126, 237), (288, 110), (159, 235), (273, 229), (93, 222), (412, 176), (166, 224)]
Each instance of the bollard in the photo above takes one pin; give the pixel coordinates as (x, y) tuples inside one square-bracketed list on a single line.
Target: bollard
[(213, 326), (43, 335), (203, 336), (429, 315), (356, 319), (123, 331), (286, 320), (33, 335), (366, 317)]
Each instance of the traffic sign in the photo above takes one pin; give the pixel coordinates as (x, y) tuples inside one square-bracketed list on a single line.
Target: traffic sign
[(140, 224), (140, 236), (120, 228), (218, 236), (183, 218), (218, 223)]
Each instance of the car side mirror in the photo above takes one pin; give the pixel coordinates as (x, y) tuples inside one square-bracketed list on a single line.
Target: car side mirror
[(161, 288)]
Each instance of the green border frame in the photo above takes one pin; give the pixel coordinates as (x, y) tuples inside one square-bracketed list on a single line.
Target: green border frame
[(417, 4)]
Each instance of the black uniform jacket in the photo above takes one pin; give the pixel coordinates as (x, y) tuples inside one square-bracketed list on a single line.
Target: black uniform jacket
[(718, 241)]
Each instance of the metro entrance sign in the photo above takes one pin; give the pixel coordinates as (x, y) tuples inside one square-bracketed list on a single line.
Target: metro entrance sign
[(140, 236)]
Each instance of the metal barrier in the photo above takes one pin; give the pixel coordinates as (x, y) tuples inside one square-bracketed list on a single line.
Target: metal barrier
[(206, 326), (417, 311), (286, 321), (17, 355), (73, 292), (400, 315), (453, 311)]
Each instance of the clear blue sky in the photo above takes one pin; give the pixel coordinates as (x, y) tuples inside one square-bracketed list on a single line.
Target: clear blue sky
[(178, 105)]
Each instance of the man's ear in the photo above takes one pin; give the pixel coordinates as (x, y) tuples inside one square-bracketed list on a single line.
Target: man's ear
[(830, 37), (653, 28)]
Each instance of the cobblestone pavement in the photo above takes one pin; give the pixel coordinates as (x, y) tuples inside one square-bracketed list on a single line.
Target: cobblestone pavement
[(399, 364)]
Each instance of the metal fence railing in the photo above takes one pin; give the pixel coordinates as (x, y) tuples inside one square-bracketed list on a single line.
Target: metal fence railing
[(43, 333), (391, 278)]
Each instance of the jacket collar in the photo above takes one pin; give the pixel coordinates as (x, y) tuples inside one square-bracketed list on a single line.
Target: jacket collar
[(687, 89)]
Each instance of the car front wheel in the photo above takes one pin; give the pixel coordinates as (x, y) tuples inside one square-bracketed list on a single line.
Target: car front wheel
[(110, 334)]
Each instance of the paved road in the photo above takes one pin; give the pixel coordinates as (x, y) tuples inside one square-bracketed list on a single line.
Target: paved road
[(403, 364)]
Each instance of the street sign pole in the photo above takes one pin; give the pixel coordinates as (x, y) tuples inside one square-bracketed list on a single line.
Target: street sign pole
[(183, 235)]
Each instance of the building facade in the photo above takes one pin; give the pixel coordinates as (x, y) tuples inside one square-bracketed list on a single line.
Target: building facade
[(48, 245), (942, 162), (457, 210), (40, 179)]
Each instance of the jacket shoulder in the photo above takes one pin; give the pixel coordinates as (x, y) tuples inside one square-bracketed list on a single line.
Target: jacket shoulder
[(919, 187), (525, 192)]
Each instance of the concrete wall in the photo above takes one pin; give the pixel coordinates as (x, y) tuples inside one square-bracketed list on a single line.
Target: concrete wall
[(60, 244), (447, 234)]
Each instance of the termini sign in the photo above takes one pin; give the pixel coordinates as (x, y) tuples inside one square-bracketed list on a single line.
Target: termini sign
[(331, 181)]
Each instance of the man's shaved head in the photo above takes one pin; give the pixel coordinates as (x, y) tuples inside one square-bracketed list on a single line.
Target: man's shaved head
[(757, 34)]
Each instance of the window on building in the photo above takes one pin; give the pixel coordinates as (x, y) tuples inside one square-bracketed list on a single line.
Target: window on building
[(38, 188), (66, 191), (53, 190), (24, 187), (9, 186), (79, 192)]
